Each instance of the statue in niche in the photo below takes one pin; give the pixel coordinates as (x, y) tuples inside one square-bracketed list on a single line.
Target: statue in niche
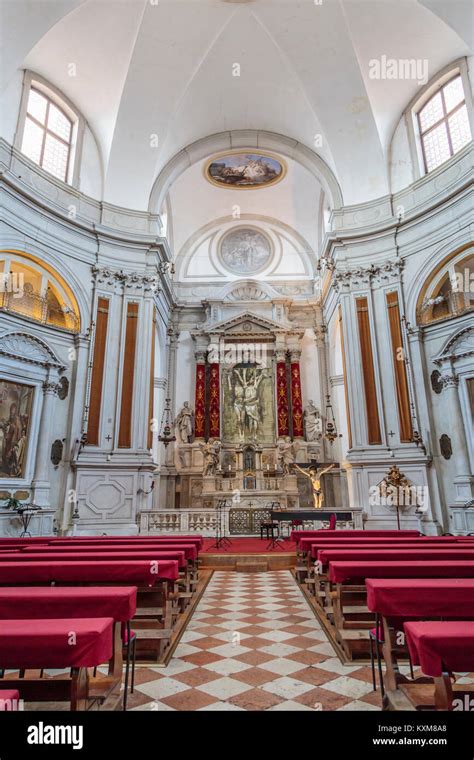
[(244, 386), (249, 459), (211, 453), (229, 461), (312, 422), (315, 476), (185, 424), (285, 455)]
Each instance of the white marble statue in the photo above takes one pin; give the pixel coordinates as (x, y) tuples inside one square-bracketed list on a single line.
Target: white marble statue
[(285, 455), (312, 422), (185, 424), (211, 453)]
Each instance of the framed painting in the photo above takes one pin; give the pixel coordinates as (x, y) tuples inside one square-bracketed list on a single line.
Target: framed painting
[(248, 414), (16, 403), (245, 170)]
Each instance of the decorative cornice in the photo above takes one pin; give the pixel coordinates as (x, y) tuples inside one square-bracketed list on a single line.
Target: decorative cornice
[(247, 292), (378, 274), (458, 346), (147, 283), (26, 348)]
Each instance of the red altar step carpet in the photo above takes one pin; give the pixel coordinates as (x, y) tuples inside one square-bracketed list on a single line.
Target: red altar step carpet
[(250, 546)]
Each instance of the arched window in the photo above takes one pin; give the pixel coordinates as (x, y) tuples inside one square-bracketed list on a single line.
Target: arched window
[(449, 292), (47, 135), (50, 129), (30, 290), (443, 124)]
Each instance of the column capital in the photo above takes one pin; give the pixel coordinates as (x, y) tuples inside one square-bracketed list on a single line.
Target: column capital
[(200, 356), (295, 355), (280, 354), (449, 380), (50, 388)]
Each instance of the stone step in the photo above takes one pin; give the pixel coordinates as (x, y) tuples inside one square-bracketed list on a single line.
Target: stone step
[(251, 565)]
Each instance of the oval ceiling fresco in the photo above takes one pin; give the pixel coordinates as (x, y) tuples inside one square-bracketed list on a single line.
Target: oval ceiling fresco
[(245, 170)]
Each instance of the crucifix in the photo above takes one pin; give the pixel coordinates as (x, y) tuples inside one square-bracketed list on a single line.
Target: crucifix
[(108, 437)]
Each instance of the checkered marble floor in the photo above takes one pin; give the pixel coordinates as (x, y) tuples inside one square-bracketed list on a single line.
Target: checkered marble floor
[(254, 644)]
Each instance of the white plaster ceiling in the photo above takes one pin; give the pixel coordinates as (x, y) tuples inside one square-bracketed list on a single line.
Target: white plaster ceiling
[(164, 68), (195, 204)]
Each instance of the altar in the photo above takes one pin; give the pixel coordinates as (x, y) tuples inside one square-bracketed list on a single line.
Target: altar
[(248, 438)]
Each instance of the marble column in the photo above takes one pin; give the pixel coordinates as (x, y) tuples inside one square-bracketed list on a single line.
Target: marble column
[(41, 483), (454, 417)]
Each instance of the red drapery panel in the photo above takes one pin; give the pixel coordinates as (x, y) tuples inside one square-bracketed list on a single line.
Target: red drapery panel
[(214, 404), (282, 399), (199, 402), (296, 400)]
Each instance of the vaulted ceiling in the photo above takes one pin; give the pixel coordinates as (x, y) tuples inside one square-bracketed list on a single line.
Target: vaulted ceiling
[(166, 68)]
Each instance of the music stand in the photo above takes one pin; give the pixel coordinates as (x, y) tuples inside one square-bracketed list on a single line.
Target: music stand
[(275, 542), (221, 540)]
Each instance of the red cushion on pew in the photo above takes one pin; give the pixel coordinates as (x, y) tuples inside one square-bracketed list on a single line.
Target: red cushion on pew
[(436, 553), (385, 545), (9, 699), (441, 646), (342, 572), (29, 602), (141, 573), (85, 555), (139, 541), (308, 544), (421, 597), (299, 534), (189, 550), (65, 643)]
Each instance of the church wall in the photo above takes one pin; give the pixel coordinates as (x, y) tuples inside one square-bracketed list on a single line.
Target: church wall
[(123, 267), (401, 161), (367, 265)]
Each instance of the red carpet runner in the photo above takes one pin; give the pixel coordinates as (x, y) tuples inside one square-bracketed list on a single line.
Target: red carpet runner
[(250, 546)]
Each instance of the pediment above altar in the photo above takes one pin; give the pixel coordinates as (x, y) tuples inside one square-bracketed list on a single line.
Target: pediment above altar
[(246, 324)]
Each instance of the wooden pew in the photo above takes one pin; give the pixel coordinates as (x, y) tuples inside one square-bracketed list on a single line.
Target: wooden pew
[(398, 600), (308, 547), (186, 554), (441, 648), (310, 550), (346, 589), (56, 602), (156, 581), (47, 645)]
